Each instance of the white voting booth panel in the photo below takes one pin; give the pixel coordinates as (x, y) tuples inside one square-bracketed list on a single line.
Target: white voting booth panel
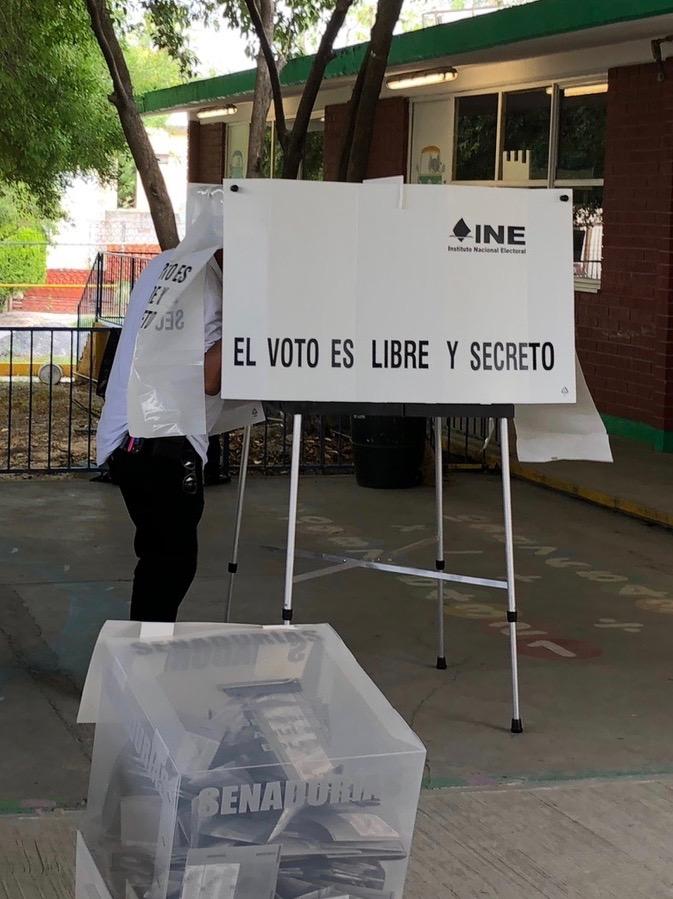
[(385, 293), (399, 299), (240, 762)]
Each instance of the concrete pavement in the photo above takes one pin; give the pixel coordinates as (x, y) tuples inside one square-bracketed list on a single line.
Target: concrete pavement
[(638, 483), (593, 840), (596, 607), (595, 602)]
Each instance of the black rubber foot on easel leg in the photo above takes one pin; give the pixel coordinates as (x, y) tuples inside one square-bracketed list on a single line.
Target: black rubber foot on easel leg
[(441, 663), (517, 726)]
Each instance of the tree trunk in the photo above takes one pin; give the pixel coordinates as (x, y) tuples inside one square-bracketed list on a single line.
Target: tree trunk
[(262, 98), (325, 53), (266, 50), (293, 143), (373, 71), (141, 149), (347, 139), (358, 141)]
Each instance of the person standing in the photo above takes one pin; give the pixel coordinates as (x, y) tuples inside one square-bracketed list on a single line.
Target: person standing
[(161, 479)]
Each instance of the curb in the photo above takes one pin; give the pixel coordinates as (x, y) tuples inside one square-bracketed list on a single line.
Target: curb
[(596, 497)]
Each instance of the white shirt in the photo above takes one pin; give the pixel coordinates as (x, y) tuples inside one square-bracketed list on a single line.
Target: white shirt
[(113, 425)]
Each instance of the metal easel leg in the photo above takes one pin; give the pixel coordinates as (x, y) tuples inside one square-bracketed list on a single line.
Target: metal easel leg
[(242, 478), (292, 519), (439, 563), (517, 726)]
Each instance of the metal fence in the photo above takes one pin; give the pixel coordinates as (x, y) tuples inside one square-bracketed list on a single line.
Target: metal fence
[(48, 404), (49, 412), (49, 408), (326, 445), (108, 288)]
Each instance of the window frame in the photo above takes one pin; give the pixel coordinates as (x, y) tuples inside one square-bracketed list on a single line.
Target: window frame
[(589, 285), (316, 123)]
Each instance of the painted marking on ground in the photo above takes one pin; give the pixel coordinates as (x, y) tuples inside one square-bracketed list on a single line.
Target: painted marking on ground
[(559, 648), (646, 598), (629, 627)]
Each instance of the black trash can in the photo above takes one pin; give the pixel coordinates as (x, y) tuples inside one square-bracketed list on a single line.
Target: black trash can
[(388, 451)]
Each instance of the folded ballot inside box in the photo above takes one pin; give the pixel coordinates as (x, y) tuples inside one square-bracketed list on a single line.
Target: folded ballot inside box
[(237, 762)]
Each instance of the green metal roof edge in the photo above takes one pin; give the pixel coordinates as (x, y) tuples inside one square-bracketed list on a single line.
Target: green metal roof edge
[(543, 18)]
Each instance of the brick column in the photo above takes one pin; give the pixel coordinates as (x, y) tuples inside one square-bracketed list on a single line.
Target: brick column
[(390, 143), (625, 331), (205, 152)]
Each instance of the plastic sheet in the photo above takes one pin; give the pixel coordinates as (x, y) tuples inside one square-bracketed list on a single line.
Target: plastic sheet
[(165, 395), (549, 433)]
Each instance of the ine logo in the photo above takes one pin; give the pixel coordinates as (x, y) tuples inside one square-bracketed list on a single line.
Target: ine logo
[(461, 230), (488, 238)]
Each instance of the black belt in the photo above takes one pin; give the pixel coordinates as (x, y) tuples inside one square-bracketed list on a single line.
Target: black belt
[(168, 447)]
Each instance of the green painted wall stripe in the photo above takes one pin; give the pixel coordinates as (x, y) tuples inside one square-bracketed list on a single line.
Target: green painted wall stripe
[(662, 441), (543, 18)]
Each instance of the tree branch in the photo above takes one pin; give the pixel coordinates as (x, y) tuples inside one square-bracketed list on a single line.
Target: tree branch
[(132, 124), (265, 46), (347, 140), (262, 98), (101, 25), (323, 57)]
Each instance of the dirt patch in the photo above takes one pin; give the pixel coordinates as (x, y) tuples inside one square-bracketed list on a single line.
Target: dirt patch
[(43, 429), (46, 428), (326, 445)]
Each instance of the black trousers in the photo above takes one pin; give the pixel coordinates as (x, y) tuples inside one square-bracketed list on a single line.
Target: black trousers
[(162, 486)]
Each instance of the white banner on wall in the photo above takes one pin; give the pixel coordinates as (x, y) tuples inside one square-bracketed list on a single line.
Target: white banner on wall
[(379, 293)]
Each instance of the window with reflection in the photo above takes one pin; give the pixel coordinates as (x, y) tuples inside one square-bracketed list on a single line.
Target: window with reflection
[(588, 232), (582, 118), (312, 168), (525, 154), (476, 136)]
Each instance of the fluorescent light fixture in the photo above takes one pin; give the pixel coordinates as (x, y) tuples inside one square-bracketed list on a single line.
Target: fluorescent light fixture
[(422, 79), (582, 90), (220, 113)]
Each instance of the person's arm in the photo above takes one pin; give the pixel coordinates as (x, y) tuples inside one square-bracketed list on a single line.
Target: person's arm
[(213, 330), (213, 369)]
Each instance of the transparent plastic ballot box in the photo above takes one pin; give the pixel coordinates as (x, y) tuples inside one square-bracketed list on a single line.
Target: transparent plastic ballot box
[(235, 762)]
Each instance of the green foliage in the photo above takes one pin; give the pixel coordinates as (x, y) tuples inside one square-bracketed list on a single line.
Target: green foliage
[(56, 118), (19, 208), (23, 258), (23, 236), (169, 22), (126, 181), (313, 166), (150, 70)]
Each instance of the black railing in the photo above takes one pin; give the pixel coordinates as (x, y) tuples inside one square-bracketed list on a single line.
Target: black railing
[(48, 404), (325, 448), (49, 412), (108, 288), (89, 303), (468, 441), (49, 408)]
